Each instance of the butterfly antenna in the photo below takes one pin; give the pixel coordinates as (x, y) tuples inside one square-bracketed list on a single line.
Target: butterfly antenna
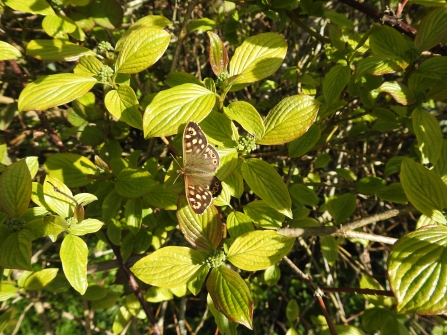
[(175, 159)]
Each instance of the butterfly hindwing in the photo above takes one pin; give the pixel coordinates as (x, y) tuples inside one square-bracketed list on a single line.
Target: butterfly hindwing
[(200, 161)]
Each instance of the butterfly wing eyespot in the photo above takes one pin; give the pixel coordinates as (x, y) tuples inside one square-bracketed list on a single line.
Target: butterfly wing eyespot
[(200, 162)]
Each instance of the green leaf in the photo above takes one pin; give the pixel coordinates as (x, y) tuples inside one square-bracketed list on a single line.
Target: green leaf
[(394, 193), (263, 215), (267, 184), (88, 65), (121, 320), (303, 195), (322, 161), (157, 294), (179, 78), (272, 275), (74, 253), (174, 107), (334, 82), (289, 119), (398, 91), (15, 251), (258, 57), (38, 280), (425, 190), (329, 248), (387, 41), (50, 226), (306, 142), (292, 310), (429, 135), (379, 65), (110, 206), (58, 26), (142, 48), (231, 295), (370, 185), (432, 30), (218, 54), (54, 90), (7, 51), (341, 207), (160, 197), (150, 21), (58, 201), (247, 116), (95, 292), (108, 301), (36, 7), (374, 318), (87, 226), (202, 25), (58, 284), (257, 250), (203, 232), (219, 130), (347, 174), (439, 90), (6, 317), (238, 223), (169, 267), (133, 183), (15, 189), (416, 268), (229, 159), (123, 104), (57, 50), (7, 292), (441, 164), (225, 326), (133, 214)]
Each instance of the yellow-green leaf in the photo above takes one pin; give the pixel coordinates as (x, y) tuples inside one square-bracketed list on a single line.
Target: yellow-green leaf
[(247, 116), (54, 90), (56, 50), (36, 7), (38, 280), (7, 51), (428, 134), (15, 251), (289, 119), (432, 29), (123, 104), (74, 253)]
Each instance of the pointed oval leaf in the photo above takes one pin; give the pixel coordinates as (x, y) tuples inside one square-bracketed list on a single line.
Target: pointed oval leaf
[(203, 232), (15, 189), (8, 291), (225, 325), (341, 207), (329, 248), (141, 49), (272, 275), (425, 190), (15, 251), (263, 215), (74, 253), (258, 57), (38, 280), (87, 226), (398, 91), (306, 142), (36, 7), (292, 310), (160, 197), (58, 197), (387, 41), (71, 169), (133, 183), (304, 195), (218, 54), (257, 250), (432, 29), (150, 21), (247, 116), (7, 51), (173, 107), (123, 104), (334, 82), (429, 135), (238, 223), (56, 50), (379, 65), (416, 268), (133, 214), (231, 295), (266, 183), (58, 26), (54, 90), (289, 119), (169, 267)]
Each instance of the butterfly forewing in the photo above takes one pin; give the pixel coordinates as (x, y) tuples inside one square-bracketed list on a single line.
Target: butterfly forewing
[(200, 161)]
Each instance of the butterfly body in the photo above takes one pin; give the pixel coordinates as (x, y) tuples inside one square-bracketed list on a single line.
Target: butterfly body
[(200, 162)]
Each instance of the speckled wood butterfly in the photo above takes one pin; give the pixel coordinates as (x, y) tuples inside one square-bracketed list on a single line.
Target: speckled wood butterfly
[(200, 161)]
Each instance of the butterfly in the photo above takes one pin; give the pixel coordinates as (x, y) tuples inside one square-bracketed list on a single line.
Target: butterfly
[(200, 162)]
